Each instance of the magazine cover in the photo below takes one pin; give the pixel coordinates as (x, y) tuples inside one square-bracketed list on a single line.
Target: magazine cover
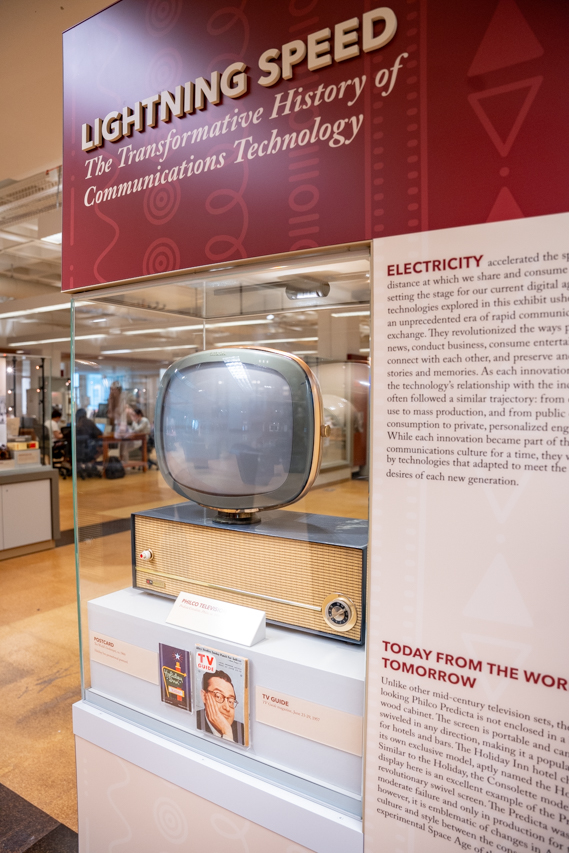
[(222, 700), (175, 677)]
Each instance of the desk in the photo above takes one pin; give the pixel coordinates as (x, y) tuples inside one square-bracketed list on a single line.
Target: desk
[(134, 436)]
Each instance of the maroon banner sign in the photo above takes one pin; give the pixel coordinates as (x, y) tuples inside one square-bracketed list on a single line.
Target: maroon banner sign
[(200, 133)]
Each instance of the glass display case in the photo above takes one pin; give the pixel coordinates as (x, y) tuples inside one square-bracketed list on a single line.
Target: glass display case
[(25, 409), (140, 544)]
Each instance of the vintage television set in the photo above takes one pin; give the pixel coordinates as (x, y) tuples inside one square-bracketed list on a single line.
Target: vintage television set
[(238, 432)]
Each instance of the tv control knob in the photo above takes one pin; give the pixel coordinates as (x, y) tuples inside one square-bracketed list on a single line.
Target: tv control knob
[(146, 554), (339, 612)]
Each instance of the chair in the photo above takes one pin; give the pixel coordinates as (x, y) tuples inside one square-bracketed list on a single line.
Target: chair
[(61, 453), (43, 436), (27, 423), (87, 450), (150, 445), (29, 433)]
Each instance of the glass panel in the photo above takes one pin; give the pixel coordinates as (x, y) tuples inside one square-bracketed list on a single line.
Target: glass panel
[(124, 339)]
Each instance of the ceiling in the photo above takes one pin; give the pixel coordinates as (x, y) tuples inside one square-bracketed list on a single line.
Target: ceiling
[(30, 154), (29, 266), (318, 307), (32, 81)]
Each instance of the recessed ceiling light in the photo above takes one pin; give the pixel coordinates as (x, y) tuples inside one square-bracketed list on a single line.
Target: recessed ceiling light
[(194, 328), (149, 349), (313, 291), (236, 323), (57, 340), (7, 315), (270, 341), (162, 330)]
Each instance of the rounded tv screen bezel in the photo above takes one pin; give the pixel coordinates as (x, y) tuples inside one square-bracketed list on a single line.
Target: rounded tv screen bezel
[(305, 392)]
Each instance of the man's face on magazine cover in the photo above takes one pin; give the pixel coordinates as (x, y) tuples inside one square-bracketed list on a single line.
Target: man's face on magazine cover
[(220, 698)]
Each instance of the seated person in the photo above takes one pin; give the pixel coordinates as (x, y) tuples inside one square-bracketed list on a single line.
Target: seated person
[(86, 427), (54, 426), (88, 439), (138, 423)]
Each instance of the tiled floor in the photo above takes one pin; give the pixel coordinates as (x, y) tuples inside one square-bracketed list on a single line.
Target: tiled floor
[(39, 679), (26, 829), (39, 649)]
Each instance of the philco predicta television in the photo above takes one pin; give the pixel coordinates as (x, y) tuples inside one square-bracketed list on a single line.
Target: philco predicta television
[(239, 431)]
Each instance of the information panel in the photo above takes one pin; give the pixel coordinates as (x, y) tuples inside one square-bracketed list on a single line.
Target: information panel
[(468, 718)]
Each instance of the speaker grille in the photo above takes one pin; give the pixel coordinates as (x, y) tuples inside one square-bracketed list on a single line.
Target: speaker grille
[(289, 569)]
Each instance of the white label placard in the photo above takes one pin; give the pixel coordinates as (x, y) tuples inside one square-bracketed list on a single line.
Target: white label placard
[(307, 719), (27, 457), (242, 625), (124, 656)]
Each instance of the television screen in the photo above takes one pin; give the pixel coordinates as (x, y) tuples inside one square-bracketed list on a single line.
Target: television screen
[(239, 429), (228, 428)]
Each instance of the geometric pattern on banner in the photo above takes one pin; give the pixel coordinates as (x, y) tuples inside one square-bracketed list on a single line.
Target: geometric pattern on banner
[(493, 650), (505, 207), (508, 41), (161, 16), (497, 597), (161, 256), (502, 512), (503, 145)]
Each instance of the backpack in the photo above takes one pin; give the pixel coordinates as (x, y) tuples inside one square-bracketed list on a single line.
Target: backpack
[(114, 469)]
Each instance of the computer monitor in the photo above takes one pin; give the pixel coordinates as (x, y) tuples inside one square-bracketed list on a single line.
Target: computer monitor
[(239, 429)]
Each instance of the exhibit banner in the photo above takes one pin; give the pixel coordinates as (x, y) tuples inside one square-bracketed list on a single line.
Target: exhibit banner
[(200, 133), (468, 712)]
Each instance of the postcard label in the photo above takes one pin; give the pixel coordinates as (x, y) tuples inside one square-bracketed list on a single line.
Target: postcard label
[(124, 656)]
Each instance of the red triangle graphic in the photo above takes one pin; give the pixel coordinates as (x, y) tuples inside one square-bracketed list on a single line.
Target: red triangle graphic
[(508, 41), (497, 597), (502, 111), (495, 650), (505, 207), (503, 146)]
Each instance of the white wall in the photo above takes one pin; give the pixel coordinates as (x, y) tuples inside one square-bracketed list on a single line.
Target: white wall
[(31, 74)]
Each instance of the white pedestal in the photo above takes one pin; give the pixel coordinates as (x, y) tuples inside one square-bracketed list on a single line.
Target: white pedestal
[(311, 668), (146, 793)]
